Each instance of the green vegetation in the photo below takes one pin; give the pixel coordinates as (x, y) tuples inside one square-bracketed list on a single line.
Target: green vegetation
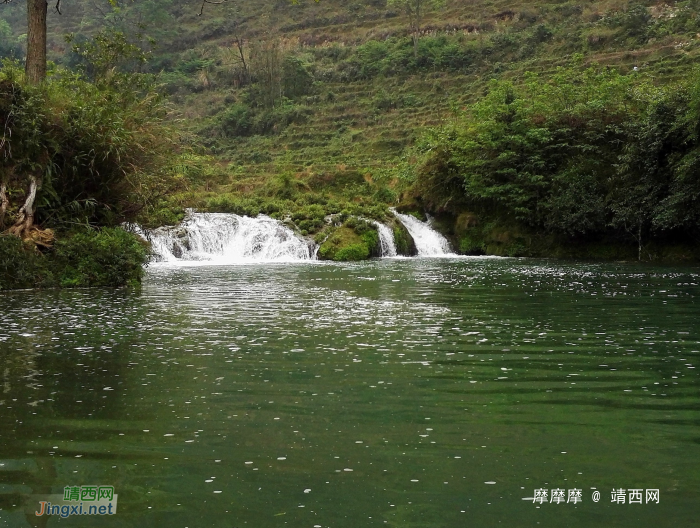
[(356, 239), (9, 45), (108, 257), (344, 244), (77, 159), (583, 153), (326, 111), (97, 153)]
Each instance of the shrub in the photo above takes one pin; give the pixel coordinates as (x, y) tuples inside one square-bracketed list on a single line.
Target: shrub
[(105, 257), (100, 150), (352, 252), (22, 265), (469, 245), (237, 120)]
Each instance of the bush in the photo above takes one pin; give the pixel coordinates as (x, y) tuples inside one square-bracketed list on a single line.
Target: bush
[(237, 121), (541, 33), (107, 257), (310, 218), (100, 150), (296, 79), (470, 245), (241, 120), (352, 252), (22, 265)]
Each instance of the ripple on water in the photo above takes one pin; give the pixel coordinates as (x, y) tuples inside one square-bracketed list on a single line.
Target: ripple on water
[(529, 374)]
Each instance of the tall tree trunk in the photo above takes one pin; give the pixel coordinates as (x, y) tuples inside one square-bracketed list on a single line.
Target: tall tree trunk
[(36, 41)]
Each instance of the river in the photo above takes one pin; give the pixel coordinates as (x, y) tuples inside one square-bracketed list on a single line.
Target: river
[(393, 392)]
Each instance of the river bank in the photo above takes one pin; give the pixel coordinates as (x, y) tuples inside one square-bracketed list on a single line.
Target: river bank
[(114, 257)]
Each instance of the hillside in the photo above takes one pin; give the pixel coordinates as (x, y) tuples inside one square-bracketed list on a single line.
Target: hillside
[(331, 97)]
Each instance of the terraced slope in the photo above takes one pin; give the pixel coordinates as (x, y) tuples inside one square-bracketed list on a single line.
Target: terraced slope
[(361, 109)]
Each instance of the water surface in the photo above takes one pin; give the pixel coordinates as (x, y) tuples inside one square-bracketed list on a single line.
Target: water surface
[(406, 393)]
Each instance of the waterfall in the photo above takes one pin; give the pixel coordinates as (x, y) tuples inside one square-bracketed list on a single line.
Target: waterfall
[(221, 238), (387, 246), (429, 243)]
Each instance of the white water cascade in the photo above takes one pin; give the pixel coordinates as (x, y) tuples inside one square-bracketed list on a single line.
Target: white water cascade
[(221, 238), (387, 246), (429, 243)]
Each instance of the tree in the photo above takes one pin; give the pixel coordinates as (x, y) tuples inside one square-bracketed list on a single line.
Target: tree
[(266, 68), (9, 47), (415, 9), (35, 65)]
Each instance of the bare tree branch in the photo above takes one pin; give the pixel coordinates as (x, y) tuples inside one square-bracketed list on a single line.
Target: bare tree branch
[(58, 7), (201, 10)]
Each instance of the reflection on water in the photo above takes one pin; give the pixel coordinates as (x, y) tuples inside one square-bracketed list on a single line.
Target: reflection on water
[(390, 393)]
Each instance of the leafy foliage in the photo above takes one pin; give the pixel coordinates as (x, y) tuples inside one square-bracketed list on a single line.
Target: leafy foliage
[(106, 257), (582, 152), (9, 46), (102, 149)]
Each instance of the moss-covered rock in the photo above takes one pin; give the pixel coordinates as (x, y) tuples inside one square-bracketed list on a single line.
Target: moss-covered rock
[(405, 245), (344, 244), (355, 240)]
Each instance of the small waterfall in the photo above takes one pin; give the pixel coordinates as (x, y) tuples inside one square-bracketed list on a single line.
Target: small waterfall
[(221, 238), (387, 246), (429, 243)]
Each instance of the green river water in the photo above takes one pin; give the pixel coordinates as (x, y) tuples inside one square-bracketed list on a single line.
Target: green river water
[(401, 393)]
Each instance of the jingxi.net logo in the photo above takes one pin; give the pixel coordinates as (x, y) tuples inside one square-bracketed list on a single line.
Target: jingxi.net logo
[(78, 500)]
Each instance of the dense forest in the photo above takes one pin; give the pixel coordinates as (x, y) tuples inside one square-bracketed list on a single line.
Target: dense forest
[(527, 129)]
